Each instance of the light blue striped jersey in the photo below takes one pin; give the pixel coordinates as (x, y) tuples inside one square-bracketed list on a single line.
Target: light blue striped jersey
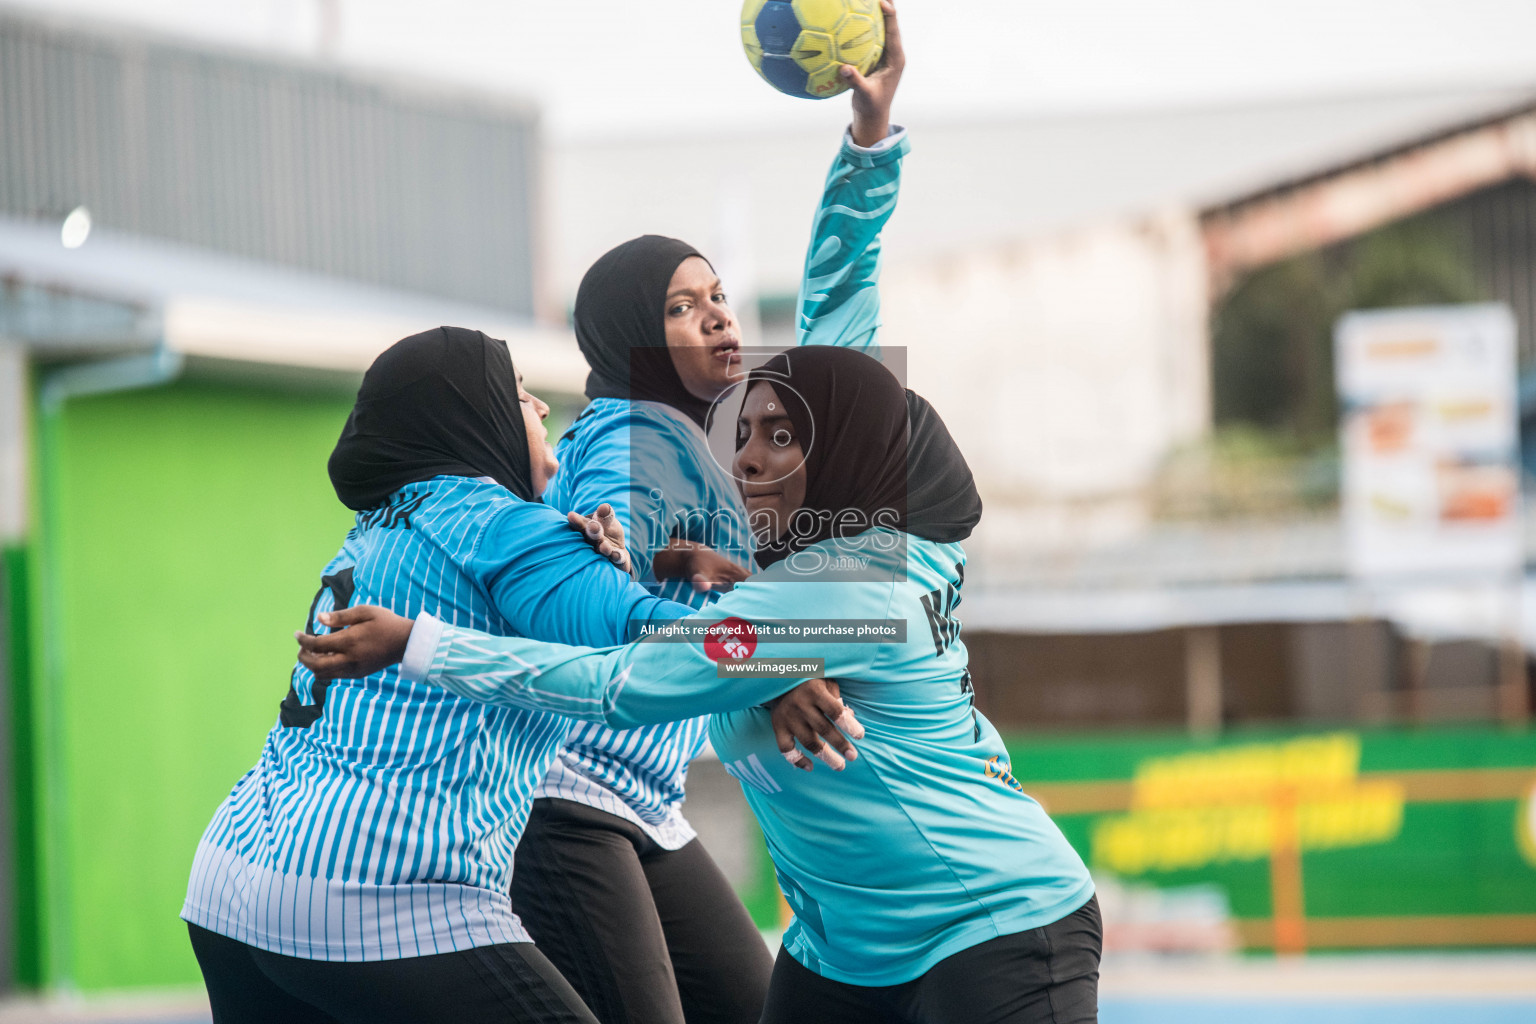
[(380, 819), (925, 845), (654, 466)]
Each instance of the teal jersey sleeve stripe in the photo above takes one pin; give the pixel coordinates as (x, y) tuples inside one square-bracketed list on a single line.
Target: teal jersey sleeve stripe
[(839, 302)]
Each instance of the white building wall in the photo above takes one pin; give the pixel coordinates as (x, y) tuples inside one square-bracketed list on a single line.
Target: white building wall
[(1067, 368)]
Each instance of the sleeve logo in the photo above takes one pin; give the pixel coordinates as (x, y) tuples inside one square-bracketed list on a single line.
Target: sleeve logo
[(730, 639)]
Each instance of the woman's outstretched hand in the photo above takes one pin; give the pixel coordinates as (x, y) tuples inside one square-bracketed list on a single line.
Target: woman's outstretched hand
[(604, 532), (873, 93), (365, 639), (815, 714)]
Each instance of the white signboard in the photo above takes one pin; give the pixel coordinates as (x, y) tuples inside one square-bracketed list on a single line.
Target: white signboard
[(1430, 441)]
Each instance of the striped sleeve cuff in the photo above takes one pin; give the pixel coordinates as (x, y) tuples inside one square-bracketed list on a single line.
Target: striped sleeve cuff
[(898, 134), (892, 147), (421, 649)]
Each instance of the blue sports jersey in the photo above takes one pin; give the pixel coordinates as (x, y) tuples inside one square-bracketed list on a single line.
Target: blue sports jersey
[(925, 845), (839, 301), (380, 819), (654, 466)]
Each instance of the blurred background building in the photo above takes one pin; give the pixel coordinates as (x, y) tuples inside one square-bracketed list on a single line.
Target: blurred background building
[(1125, 317)]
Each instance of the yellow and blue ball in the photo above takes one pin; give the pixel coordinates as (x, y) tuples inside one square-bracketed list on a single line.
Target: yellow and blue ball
[(799, 45)]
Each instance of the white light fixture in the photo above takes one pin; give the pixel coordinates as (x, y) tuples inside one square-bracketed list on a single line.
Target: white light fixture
[(77, 228)]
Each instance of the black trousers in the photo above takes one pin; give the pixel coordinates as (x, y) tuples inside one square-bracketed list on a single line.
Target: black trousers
[(646, 935), (508, 984), (1048, 975)]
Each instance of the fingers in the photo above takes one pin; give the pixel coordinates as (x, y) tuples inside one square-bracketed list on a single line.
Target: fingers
[(786, 741), (601, 531), (329, 643), (608, 521), (894, 55), (834, 722), (838, 715), (856, 81), (341, 618), (321, 656), (324, 666), (727, 575), (722, 575), (588, 528), (831, 758), (328, 657), (835, 740), (788, 728), (825, 694), (813, 733)]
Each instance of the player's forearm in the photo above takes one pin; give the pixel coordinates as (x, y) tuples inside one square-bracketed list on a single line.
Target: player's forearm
[(507, 671), (839, 301), (641, 684)]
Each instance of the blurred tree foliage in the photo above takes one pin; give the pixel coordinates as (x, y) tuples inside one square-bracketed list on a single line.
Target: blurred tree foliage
[(1272, 334)]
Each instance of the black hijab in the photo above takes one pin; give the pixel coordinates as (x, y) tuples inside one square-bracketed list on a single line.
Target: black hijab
[(942, 502), (440, 403), (872, 448), (621, 326)]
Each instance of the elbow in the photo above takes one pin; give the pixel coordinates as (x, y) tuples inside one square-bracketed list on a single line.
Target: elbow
[(617, 718)]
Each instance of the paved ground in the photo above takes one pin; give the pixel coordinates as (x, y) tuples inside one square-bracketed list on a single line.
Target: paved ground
[(1419, 989)]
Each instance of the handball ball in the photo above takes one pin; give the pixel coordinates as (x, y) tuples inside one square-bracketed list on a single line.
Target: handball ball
[(799, 46)]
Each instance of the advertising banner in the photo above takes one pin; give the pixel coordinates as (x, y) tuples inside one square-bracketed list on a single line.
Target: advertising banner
[(1295, 841), (1430, 441)]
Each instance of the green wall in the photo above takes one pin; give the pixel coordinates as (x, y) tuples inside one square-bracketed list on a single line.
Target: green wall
[(24, 912), (184, 529)]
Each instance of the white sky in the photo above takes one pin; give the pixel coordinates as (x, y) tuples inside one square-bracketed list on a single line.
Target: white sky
[(676, 67)]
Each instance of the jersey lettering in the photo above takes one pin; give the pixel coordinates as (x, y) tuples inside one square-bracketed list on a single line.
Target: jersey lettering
[(751, 772), (807, 910), (939, 606), (293, 713), (395, 514)]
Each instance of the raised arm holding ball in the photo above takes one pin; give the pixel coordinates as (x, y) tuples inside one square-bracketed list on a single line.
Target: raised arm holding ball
[(610, 878)]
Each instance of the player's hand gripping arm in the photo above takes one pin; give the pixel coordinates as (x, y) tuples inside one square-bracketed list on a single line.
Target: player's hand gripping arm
[(839, 300), (604, 532), (814, 714)]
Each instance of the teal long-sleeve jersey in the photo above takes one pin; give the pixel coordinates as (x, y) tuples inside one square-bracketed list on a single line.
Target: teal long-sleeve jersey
[(655, 468), (925, 845)]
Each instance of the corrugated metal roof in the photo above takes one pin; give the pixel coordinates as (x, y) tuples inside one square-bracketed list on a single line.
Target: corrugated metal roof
[(429, 189), (226, 307)]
